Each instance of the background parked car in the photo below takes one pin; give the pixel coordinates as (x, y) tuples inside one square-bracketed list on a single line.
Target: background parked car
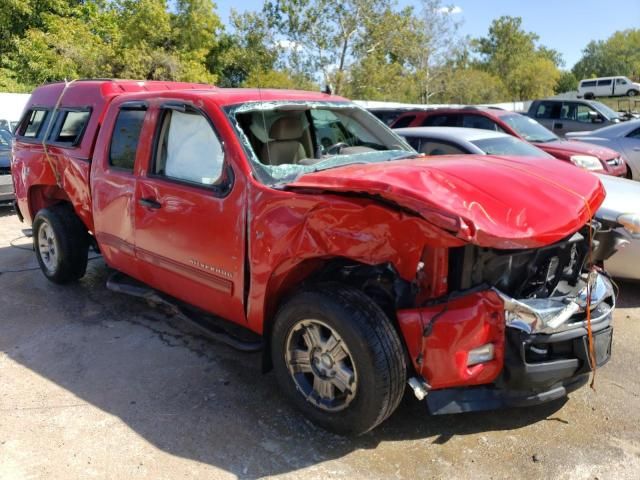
[(620, 207), (564, 116), (623, 137), (6, 184), (463, 141), (608, 87), (589, 156)]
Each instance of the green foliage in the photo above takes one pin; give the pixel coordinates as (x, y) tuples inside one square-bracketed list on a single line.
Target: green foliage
[(366, 49), (512, 54), (618, 55), (279, 79), (470, 86), (247, 51), (99, 38), (566, 83)]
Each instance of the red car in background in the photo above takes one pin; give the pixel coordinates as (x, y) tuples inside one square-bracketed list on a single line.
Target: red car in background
[(584, 155)]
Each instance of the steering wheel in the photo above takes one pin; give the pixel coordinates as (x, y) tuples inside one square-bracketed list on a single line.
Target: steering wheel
[(336, 148)]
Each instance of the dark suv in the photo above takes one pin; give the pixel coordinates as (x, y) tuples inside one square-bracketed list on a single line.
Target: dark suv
[(581, 154)]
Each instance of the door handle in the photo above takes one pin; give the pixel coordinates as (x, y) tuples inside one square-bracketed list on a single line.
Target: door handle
[(149, 203)]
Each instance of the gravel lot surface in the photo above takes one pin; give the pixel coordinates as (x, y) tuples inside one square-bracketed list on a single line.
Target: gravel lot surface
[(94, 384)]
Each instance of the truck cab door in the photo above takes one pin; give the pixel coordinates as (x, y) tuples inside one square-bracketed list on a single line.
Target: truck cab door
[(190, 214), (113, 185)]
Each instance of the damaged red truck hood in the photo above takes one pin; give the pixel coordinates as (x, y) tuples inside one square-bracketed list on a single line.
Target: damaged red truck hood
[(491, 201)]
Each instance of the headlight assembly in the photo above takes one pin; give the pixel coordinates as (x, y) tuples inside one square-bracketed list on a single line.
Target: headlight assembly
[(631, 223), (588, 162)]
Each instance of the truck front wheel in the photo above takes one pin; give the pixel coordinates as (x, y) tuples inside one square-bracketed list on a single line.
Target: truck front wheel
[(61, 244), (338, 358)]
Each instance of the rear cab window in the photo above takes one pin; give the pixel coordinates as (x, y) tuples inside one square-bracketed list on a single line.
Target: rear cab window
[(126, 136)]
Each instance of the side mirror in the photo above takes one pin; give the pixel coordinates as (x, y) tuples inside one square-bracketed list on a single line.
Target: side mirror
[(595, 117)]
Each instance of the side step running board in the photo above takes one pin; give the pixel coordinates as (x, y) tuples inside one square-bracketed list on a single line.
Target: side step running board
[(211, 326)]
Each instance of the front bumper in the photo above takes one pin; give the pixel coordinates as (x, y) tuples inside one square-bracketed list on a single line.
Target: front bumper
[(541, 351), (531, 378)]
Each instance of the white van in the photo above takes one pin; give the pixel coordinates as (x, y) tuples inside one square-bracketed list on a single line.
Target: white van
[(607, 87)]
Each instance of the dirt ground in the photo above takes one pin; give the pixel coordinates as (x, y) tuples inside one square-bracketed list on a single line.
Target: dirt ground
[(94, 384)]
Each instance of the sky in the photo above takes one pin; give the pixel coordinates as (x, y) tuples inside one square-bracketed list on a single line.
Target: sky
[(564, 25)]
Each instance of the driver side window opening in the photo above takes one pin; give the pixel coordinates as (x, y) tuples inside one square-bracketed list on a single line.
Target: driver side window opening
[(188, 149)]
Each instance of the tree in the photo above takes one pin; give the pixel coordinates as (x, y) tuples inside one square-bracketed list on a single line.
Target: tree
[(316, 43), (100, 38), (470, 86), (512, 54), (618, 55), (249, 50), (566, 83), (278, 79), (439, 50)]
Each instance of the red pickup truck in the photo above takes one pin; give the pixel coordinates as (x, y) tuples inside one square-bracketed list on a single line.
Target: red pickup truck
[(299, 216)]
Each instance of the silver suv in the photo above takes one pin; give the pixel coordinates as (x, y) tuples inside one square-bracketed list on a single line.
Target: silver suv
[(562, 116)]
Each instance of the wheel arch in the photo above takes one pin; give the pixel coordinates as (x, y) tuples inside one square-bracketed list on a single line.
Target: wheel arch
[(42, 196), (380, 282)]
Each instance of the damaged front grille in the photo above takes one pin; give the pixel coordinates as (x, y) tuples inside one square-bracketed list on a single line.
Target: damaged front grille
[(544, 290), (530, 273)]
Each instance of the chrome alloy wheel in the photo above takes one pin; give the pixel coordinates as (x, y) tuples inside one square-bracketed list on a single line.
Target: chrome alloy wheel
[(48, 247), (321, 365)]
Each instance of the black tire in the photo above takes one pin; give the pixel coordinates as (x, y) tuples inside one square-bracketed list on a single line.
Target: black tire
[(632, 93), (69, 239), (374, 351), (589, 96)]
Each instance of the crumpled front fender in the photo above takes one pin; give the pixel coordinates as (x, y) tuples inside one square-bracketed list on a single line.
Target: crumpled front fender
[(440, 337)]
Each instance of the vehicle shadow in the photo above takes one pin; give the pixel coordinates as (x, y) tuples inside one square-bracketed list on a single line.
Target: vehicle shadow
[(6, 210), (189, 396)]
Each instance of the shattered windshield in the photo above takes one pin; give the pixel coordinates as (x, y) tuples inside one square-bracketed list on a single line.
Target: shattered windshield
[(285, 140)]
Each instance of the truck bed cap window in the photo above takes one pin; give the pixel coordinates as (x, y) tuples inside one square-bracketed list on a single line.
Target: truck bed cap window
[(69, 126), (33, 123)]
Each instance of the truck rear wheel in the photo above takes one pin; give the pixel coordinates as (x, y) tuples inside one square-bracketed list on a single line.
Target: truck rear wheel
[(61, 244), (338, 358)]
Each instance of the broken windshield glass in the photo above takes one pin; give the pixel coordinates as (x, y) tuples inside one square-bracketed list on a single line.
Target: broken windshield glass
[(285, 140)]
